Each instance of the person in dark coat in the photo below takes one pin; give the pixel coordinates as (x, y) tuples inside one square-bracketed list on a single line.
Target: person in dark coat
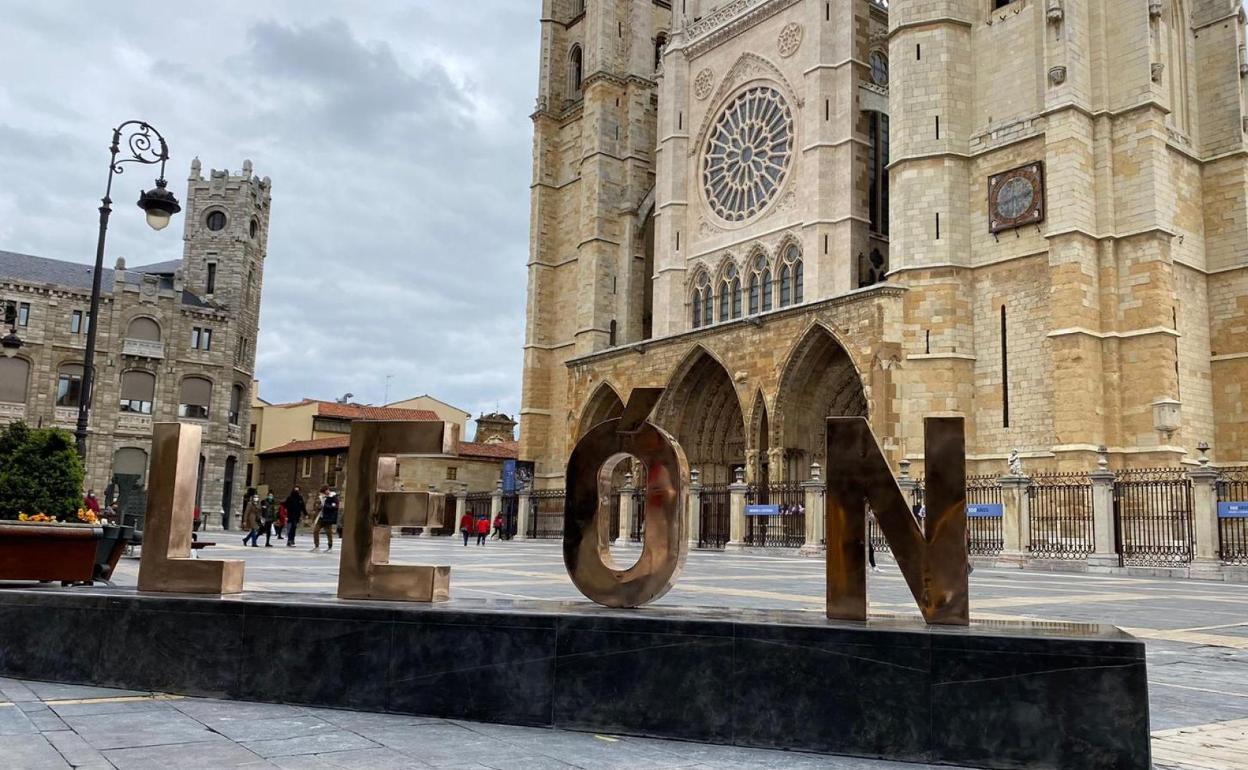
[(295, 510), (326, 520)]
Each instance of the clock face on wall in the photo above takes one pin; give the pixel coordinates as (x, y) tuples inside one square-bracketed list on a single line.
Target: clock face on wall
[(879, 68), (1016, 197)]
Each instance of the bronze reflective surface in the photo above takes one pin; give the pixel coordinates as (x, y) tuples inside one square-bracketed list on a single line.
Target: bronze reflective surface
[(372, 507), (933, 559), (165, 563), (586, 541)]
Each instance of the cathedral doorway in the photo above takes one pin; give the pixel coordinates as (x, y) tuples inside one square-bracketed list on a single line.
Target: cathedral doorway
[(819, 381), (702, 410)]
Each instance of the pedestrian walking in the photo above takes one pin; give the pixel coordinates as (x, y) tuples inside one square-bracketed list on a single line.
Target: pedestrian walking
[(251, 518), (270, 511), (466, 527), (483, 529), (326, 520), (296, 509), (498, 528)]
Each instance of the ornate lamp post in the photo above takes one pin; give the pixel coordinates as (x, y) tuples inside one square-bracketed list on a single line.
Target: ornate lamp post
[(145, 145)]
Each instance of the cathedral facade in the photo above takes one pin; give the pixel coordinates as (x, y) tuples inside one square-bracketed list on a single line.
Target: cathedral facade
[(1029, 213)]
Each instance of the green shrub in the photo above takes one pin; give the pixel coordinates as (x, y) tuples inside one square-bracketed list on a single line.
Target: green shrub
[(40, 472)]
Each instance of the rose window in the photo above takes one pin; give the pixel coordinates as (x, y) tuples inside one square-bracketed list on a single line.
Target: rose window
[(748, 154)]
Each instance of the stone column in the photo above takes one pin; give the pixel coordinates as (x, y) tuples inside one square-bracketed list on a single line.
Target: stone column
[(1017, 523), (1205, 562), (461, 507), (815, 533), (496, 502), (626, 512), (693, 508), (1104, 557), (522, 513), (736, 512)]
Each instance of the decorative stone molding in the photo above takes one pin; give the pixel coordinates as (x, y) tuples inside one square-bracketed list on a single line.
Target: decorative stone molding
[(12, 411), (143, 348), (790, 39), (1158, 69), (1154, 9), (728, 20), (134, 423), (1055, 12), (748, 67), (1057, 75), (703, 83)]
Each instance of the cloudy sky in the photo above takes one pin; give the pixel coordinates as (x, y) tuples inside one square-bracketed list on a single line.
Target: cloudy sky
[(397, 136)]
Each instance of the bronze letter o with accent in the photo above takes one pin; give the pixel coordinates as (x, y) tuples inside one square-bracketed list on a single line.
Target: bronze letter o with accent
[(586, 538)]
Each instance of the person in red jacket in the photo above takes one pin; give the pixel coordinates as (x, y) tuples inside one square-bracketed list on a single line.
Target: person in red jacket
[(466, 527), (483, 529)]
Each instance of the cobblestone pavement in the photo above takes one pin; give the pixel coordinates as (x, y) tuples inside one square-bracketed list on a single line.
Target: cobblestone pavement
[(1196, 634)]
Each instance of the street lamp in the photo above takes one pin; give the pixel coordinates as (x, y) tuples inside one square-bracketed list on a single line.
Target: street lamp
[(144, 145), (11, 342)]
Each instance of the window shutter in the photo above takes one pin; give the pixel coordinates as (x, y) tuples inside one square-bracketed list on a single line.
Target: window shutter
[(14, 379), (196, 391)]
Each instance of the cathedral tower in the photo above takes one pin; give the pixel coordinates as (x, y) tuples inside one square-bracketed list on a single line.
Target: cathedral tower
[(591, 248)]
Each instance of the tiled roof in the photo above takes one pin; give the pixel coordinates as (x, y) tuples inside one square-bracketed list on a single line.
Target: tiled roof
[(358, 412), (39, 270), (76, 275), (506, 450), (315, 445)]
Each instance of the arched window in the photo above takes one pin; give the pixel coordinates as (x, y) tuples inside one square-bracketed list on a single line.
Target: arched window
[(131, 463), (138, 392), (14, 380), (69, 385), (236, 403), (760, 285), (143, 329), (195, 398), (702, 302), (736, 297), (724, 300), (576, 71), (792, 278), (578, 7)]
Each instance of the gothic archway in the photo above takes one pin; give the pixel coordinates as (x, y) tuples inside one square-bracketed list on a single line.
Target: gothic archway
[(702, 410), (604, 405), (819, 381), (758, 468)]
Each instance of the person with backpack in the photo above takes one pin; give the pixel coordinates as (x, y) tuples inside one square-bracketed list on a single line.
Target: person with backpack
[(326, 520)]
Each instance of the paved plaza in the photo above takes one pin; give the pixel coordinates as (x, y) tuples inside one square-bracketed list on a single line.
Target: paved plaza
[(1196, 632)]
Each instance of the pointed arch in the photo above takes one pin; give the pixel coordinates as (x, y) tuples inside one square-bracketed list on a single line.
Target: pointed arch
[(819, 380), (758, 470), (702, 409), (605, 404), (749, 68)]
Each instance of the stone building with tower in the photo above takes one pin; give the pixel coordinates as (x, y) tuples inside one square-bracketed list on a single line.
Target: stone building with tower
[(176, 342), (1029, 213)]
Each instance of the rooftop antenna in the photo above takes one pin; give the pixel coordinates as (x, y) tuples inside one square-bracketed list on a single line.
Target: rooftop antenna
[(386, 402)]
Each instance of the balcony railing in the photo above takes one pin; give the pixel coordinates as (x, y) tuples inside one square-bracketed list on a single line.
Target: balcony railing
[(12, 412), (131, 421), (66, 415), (143, 348)]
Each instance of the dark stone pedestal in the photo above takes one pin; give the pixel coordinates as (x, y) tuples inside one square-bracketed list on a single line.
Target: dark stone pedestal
[(994, 695)]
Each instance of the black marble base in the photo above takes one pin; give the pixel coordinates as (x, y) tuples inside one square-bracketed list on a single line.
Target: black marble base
[(995, 695)]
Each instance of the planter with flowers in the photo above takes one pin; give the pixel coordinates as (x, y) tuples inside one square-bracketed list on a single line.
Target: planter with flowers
[(40, 470)]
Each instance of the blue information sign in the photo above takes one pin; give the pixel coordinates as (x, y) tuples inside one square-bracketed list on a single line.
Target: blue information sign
[(985, 511), (762, 510), (1233, 510), (509, 476)]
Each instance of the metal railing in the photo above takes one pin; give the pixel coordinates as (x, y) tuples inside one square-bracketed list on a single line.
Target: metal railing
[(714, 515), (1061, 525), (1232, 487), (546, 514), (638, 529), (1153, 517), (784, 529), (986, 534), (615, 514)]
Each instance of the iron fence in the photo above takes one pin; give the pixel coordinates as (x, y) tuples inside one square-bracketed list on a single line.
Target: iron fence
[(546, 514), (985, 534), (615, 515), (637, 529), (1153, 517), (1232, 487), (784, 529), (714, 515), (1061, 524), (511, 515)]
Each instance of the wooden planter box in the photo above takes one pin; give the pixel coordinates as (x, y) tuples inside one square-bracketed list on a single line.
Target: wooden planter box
[(56, 552)]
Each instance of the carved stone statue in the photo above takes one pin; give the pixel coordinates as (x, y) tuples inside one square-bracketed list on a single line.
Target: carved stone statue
[(1016, 463)]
